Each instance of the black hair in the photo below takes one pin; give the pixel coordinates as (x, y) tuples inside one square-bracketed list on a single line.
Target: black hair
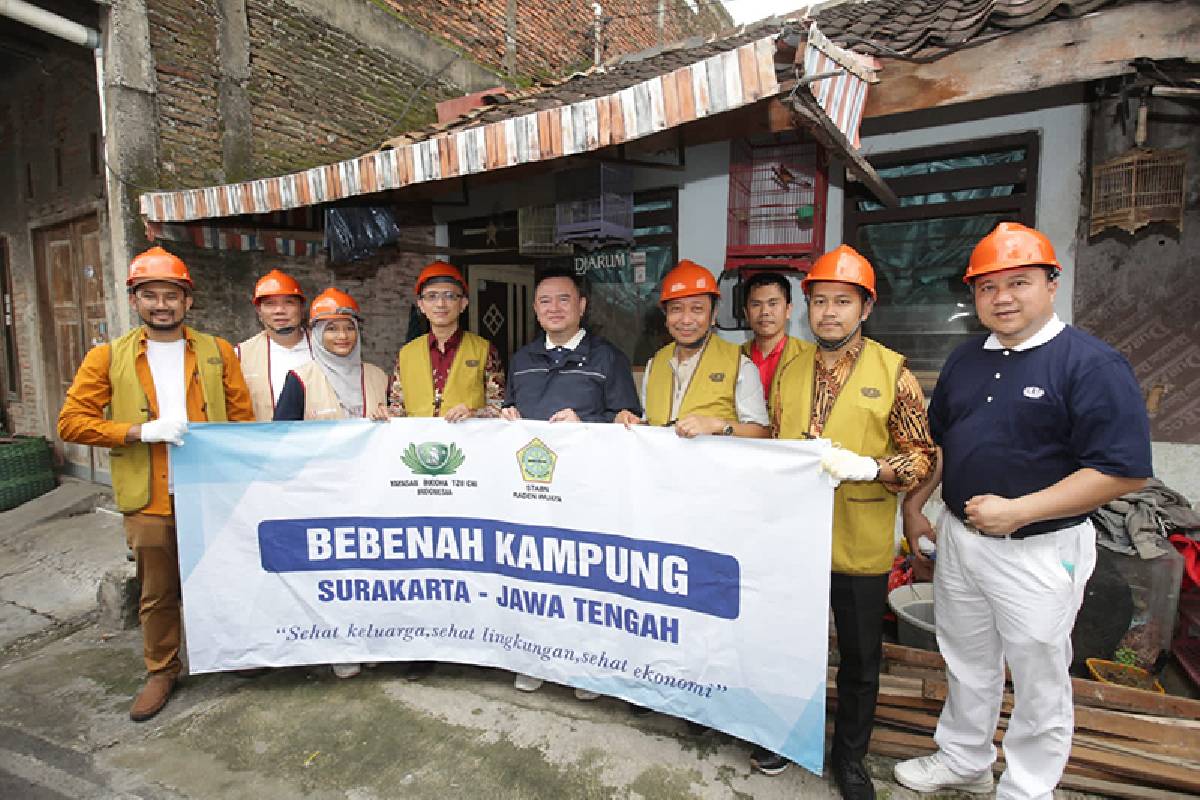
[(559, 272), (760, 279)]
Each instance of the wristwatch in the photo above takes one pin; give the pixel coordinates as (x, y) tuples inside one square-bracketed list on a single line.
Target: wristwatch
[(727, 430)]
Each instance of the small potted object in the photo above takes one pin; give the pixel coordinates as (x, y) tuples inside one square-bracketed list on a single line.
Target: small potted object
[(1123, 671)]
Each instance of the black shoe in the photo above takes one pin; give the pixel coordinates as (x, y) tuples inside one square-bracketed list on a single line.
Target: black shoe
[(852, 780), (418, 669), (768, 763)]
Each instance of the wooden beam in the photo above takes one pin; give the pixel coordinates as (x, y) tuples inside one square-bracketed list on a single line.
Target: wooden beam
[(810, 115), (1094, 46)]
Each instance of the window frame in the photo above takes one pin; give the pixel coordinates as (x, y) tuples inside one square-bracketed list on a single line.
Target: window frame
[(10, 357)]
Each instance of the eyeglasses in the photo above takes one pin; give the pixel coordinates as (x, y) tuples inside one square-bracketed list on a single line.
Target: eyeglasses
[(448, 297)]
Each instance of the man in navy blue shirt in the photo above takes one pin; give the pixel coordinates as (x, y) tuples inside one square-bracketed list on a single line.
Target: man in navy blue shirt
[(568, 376), (1038, 424)]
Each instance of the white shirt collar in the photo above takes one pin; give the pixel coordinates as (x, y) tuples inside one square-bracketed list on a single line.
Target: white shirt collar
[(570, 344), (1053, 327)]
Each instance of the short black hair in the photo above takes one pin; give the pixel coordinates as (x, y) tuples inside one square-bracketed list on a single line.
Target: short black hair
[(560, 272), (768, 278)]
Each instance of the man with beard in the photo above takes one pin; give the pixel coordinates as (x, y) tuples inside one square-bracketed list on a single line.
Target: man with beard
[(860, 395), (699, 384), (280, 347), (153, 381)]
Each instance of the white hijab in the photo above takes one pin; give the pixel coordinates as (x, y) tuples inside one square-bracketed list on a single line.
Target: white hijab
[(344, 373)]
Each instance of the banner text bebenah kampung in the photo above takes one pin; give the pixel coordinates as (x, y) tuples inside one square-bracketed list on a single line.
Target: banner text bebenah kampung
[(647, 571)]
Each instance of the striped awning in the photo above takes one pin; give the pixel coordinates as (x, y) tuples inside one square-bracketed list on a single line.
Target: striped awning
[(719, 83)]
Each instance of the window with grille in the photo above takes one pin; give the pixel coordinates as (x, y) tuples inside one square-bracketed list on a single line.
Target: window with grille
[(8, 331), (951, 196)]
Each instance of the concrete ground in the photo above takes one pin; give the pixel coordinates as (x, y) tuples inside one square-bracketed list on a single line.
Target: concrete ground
[(66, 683)]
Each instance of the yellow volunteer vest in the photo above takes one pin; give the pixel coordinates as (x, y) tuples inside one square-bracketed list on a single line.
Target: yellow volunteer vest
[(792, 347), (130, 464), (464, 384), (711, 391), (255, 356), (864, 514), (321, 402)]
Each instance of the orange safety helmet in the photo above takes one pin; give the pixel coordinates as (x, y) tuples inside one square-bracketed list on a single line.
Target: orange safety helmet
[(843, 264), (157, 264), (440, 269), (333, 304), (688, 279), (1009, 246), (276, 284)]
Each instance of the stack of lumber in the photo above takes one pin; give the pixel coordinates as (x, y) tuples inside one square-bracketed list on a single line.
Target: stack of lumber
[(1128, 742)]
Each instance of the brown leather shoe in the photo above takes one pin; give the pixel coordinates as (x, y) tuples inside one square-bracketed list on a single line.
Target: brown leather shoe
[(153, 696)]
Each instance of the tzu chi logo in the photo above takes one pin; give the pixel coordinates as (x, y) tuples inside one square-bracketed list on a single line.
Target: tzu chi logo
[(433, 458), (1034, 392), (537, 462)]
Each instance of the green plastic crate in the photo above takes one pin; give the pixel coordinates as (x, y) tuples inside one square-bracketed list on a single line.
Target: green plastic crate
[(26, 470)]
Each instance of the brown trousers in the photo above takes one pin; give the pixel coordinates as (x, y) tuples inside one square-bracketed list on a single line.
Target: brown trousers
[(152, 539)]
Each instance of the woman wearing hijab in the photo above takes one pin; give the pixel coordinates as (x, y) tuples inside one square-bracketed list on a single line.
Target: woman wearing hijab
[(336, 384)]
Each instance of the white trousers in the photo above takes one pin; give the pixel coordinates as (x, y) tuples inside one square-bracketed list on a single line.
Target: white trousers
[(1011, 600)]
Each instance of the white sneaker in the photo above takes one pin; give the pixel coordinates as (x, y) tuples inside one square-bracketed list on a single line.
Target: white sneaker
[(584, 694), (929, 774), (527, 683), (346, 670)]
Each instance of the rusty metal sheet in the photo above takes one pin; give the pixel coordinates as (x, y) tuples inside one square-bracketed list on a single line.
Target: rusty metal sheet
[(510, 142), (686, 94), (764, 56), (670, 97), (658, 114), (731, 68), (245, 198), (616, 118), (404, 160)]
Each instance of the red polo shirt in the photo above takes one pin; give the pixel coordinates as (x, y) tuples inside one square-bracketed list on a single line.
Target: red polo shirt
[(767, 364)]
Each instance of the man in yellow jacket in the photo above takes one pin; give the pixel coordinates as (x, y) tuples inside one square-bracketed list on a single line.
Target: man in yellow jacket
[(860, 395), (448, 372), (280, 347), (699, 384), (153, 381)]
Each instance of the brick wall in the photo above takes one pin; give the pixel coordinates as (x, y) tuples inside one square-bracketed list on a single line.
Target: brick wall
[(317, 95), (383, 288), (183, 40), (44, 106), (554, 38)]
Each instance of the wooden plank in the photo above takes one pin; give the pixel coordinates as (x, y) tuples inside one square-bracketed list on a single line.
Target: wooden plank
[(825, 132), (1144, 769), (1050, 54), (748, 70), (1114, 788), (911, 655), (1182, 737), (687, 97)]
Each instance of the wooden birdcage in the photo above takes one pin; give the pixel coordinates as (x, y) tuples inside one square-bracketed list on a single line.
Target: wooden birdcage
[(594, 204), (1137, 188), (776, 199), (536, 232)]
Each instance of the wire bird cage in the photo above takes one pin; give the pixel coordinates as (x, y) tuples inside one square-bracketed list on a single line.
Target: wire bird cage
[(595, 205), (536, 232), (776, 199), (1137, 188)]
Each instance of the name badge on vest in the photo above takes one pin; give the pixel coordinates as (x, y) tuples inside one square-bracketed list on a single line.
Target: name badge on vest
[(871, 392), (472, 362), (716, 377)]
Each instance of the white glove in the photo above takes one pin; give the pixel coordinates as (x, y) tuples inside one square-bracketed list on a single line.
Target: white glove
[(164, 430), (846, 465)]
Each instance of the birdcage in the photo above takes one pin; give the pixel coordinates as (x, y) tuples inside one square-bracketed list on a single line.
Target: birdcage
[(536, 232), (595, 204), (1137, 188), (776, 198)]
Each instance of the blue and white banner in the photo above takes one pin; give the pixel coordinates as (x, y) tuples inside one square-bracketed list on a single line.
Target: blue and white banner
[(688, 576)]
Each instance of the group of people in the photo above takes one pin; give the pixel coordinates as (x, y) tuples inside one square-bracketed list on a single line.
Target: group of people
[(1029, 428)]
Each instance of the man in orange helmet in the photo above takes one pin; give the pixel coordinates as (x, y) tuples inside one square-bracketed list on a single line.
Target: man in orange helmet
[(280, 347), (448, 372), (151, 382), (860, 394), (699, 383), (1039, 424)]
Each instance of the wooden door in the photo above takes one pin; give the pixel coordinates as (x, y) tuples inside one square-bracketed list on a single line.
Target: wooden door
[(501, 307), (71, 289)]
